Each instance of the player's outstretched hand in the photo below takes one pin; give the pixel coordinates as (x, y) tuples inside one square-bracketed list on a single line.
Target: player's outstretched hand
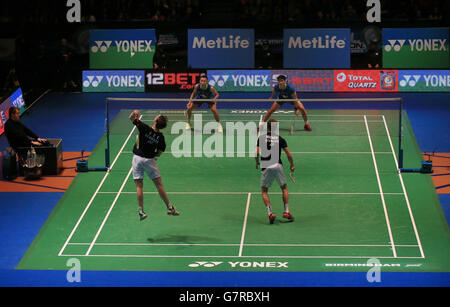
[(134, 115)]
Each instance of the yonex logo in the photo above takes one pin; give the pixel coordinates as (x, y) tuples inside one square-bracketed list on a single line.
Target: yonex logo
[(241, 80), (429, 80), (103, 46), (219, 80), (417, 44), (394, 44), (409, 80), (92, 80), (241, 264), (114, 81), (125, 46), (205, 264)]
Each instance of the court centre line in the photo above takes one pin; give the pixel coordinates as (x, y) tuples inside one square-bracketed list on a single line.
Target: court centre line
[(97, 191), (381, 189), (245, 224), (404, 191)]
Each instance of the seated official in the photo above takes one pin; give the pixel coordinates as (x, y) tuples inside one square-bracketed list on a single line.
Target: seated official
[(17, 134)]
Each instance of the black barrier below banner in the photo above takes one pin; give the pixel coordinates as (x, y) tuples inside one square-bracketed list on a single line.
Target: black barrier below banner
[(172, 81)]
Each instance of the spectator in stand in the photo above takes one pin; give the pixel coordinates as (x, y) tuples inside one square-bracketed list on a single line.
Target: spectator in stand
[(161, 58), (373, 56), (265, 56), (65, 52)]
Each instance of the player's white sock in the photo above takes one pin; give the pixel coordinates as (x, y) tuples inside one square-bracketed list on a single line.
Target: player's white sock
[(286, 207), (269, 209)]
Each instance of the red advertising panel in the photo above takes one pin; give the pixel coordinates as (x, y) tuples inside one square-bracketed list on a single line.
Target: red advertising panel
[(366, 80), (307, 80), (172, 81)]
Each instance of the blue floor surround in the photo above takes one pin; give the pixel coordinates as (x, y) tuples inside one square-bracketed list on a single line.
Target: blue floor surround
[(79, 120)]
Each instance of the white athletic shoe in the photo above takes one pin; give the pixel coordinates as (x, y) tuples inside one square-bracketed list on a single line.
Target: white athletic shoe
[(219, 128), (188, 126)]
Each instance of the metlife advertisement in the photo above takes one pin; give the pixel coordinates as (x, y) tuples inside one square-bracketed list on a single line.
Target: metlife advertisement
[(121, 49), (316, 48), (221, 48), (113, 81)]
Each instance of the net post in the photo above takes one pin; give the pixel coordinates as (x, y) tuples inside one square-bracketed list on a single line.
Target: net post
[(107, 149), (400, 123)]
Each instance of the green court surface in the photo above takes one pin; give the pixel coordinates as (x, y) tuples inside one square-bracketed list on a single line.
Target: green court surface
[(349, 201)]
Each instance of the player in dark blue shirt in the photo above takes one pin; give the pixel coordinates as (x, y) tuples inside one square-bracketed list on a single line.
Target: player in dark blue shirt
[(284, 91), (203, 90), (150, 144)]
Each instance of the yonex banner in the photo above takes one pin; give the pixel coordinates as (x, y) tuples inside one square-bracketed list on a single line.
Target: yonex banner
[(307, 80), (416, 48), (116, 49), (316, 48), (424, 80), (221, 48), (114, 81), (240, 80), (365, 80)]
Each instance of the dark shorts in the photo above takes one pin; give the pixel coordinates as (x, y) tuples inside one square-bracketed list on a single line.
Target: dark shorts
[(200, 103), (281, 102)]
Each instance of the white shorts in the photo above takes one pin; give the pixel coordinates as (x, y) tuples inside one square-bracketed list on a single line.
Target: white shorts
[(271, 173), (143, 165)]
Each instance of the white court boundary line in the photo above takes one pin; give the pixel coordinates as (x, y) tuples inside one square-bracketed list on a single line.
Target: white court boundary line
[(272, 257), (96, 192), (283, 120), (241, 245), (292, 152), (381, 189), (108, 213), (404, 191), (271, 193)]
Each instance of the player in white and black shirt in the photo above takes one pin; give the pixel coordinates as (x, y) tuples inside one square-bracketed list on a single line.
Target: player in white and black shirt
[(269, 147), (149, 146)]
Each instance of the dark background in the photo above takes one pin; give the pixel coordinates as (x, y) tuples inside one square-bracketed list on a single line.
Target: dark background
[(40, 50)]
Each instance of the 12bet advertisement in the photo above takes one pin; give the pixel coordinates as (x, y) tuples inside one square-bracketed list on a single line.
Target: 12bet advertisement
[(172, 81)]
